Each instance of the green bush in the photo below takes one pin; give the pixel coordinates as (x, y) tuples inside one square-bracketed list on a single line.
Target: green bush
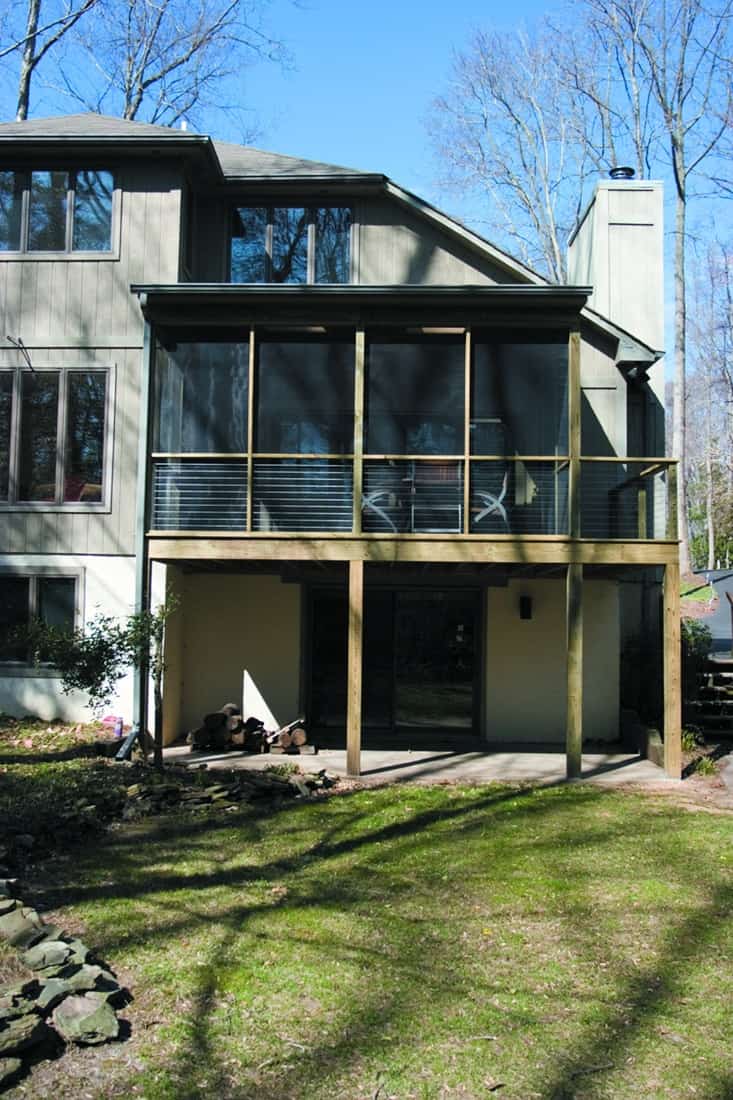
[(697, 641)]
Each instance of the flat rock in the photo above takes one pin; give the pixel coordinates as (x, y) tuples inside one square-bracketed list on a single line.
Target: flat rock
[(20, 1001), (47, 953), (81, 979), (21, 1033), (86, 1019), (19, 923), (8, 904), (8, 1068)]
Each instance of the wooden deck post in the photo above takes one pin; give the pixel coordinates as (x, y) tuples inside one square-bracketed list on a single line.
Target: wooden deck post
[(574, 626), (354, 668), (672, 673)]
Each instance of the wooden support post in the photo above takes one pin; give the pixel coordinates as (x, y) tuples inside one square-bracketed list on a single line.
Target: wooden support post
[(574, 624), (672, 673), (641, 511), (360, 352), (354, 668)]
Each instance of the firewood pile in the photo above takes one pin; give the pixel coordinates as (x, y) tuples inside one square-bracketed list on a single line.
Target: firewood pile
[(184, 789), (226, 729)]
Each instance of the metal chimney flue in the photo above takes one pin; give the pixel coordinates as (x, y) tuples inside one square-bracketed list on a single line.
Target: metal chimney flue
[(622, 172)]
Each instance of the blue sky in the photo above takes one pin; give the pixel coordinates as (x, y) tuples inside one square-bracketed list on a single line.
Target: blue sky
[(364, 78)]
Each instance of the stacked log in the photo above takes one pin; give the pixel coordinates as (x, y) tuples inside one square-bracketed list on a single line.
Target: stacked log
[(225, 729)]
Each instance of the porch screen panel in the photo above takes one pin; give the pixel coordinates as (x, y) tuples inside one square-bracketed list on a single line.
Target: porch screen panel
[(305, 397), (519, 399), (415, 396), (201, 398)]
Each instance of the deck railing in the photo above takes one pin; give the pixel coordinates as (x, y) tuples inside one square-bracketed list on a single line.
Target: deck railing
[(624, 499)]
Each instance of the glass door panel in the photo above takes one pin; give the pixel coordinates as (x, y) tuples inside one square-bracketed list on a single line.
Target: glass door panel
[(434, 645)]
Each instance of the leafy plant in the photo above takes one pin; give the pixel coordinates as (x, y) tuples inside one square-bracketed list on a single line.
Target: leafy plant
[(706, 766), (691, 738), (697, 641)]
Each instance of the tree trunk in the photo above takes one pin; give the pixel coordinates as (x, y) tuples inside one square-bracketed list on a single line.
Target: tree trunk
[(28, 60), (679, 403)]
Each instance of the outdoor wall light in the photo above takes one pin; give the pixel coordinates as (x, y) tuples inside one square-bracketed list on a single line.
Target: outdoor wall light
[(525, 607)]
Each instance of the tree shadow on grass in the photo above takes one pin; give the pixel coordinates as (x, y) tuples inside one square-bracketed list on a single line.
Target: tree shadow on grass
[(348, 867)]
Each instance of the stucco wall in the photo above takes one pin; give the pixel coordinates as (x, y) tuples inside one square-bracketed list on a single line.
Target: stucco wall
[(525, 662), (106, 585), (231, 623)]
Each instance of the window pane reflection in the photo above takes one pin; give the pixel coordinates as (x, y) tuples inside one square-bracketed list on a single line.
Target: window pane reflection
[(333, 233), (56, 601), (47, 222), (249, 258), (85, 436), (93, 212), (289, 245), (6, 407), (11, 203), (38, 426)]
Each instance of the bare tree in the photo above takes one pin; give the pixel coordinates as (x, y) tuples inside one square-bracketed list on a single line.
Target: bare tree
[(528, 116), (508, 131), (161, 59), (676, 49), (44, 24)]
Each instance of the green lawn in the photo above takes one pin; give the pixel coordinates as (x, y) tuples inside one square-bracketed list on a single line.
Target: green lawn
[(697, 589), (415, 942)]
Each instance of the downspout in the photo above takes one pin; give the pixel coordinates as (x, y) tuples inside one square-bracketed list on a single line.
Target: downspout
[(142, 586)]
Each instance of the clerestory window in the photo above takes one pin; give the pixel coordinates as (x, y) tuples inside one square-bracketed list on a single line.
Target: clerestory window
[(291, 244), (56, 211), (53, 437)]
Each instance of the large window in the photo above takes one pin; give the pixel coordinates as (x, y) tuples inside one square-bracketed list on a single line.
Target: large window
[(290, 244), (56, 211), (23, 599), (53, 429)]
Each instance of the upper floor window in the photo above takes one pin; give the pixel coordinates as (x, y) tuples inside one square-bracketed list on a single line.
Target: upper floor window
[(56, 211), (53, 429), (290, 244)]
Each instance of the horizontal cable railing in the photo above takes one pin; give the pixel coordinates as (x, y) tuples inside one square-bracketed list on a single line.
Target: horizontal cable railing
[(519, 497), (625, 499), (405, 496), (294, 494), (196, 495)]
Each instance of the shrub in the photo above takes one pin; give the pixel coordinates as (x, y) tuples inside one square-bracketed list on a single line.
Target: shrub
[(697, 641)]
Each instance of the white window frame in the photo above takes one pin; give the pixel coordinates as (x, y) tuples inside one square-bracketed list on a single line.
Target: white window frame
[(24, 253), (34, 574), (12, 504)]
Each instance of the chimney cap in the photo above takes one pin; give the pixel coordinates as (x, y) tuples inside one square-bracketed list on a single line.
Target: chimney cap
[(622, 172)]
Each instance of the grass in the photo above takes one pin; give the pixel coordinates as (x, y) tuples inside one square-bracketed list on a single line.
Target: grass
[(413, 942), (697, 589)]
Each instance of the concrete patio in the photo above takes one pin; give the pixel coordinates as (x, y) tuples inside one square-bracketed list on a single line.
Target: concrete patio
[(380, 766)]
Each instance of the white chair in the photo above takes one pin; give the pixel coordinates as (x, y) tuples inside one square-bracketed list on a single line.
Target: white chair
[(492, 505)]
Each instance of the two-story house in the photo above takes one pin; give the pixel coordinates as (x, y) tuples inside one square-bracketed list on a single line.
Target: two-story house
[(397, 481)]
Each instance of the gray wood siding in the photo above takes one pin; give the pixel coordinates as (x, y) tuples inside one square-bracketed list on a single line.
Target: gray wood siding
[(391, 245), (397, 246), (76, 312), (73, 301), (60, 531)]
